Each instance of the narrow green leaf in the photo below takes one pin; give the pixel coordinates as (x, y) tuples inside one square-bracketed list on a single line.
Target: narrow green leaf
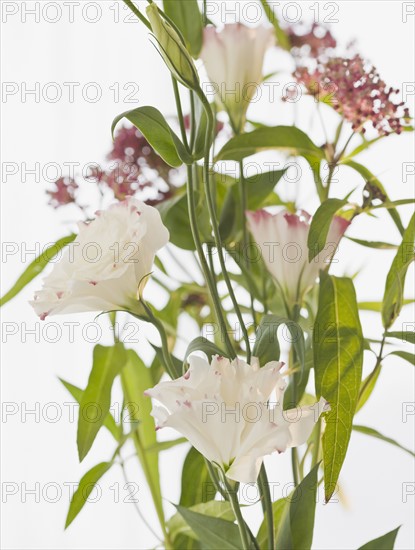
[(267, 347), (216, 533), (367, 386), (214, 508), (135, 379), (86, 485), (158, 133), (297, 524), (403, 335), (395, 281), (282, 39), (165, 445), (373, 181), (373, 244), (109, 421), (196, 484), (377, 306), (35, 268), (386, 542), (186, 15), (374, 433), (320, 226), (406, 355), (96, 399), (285, 138), (338, 360), (278, 508), (202, 344)]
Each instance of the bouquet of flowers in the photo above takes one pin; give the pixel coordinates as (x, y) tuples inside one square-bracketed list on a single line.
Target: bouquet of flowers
[(277, 366)]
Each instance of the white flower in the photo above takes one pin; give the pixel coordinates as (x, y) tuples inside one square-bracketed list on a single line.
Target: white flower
[(223, 410), (103, 267), (282, 239), (233, 58)]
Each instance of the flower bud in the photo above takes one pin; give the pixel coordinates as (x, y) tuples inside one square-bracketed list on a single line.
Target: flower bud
[(172, 49)]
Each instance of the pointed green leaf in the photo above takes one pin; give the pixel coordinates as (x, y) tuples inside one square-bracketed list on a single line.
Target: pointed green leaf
[(36, 267), (386, 542), (215, 533), (406, 355), (85, 487), (297, 523), (373, 180), (403, 335), (282, 38), (394, 288), (338, 360), (96, 399), (203, 344), (187, 16), (285, 138), (158, 133), (373, 244), (320, 226), (196, 484), (374, 433), (109, 421), (278, 508)]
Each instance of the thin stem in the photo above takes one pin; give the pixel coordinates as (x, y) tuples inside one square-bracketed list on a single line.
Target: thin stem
[(138, 13), (192, 120), (139, 512), (204, 265), (171, 369), (214, 221), (245, 236), (267, 505), (233, 499), (316, 447), (180, 113)]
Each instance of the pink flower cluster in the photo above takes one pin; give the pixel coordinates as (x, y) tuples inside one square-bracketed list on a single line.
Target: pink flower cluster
[(64, 192), (313, 43), (356, 90)]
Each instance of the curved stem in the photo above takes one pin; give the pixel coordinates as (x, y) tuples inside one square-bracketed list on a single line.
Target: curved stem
[(138, 13), (214, 222), (180, 112)]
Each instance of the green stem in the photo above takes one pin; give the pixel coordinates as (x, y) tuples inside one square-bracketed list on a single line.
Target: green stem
[(245, 237), (138, 13), (233, 499), (180, 112), (214, 221), (205, 268), (267, 504)]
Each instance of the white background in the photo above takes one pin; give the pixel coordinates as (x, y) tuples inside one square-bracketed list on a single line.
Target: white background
[(37, 451)]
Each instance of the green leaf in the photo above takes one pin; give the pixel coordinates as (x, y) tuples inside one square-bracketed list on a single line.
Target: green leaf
[(284, 138), (96, 399), (158, 133), (196, 484), (377, 306), (214, 508), (165, 445), (297, 525), (373, 244), (404, 335), (35, 268), (395, 281), (278, 508), (320, 226), (109, 421), (202, 344), (282, 39), (175, 215), (373, 181), (338, 360), (406, 355), (86, 485), (386, 542), (216, 533), (135, 379), (267, 347), (374, 433), (186, 15), (367, 386)]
